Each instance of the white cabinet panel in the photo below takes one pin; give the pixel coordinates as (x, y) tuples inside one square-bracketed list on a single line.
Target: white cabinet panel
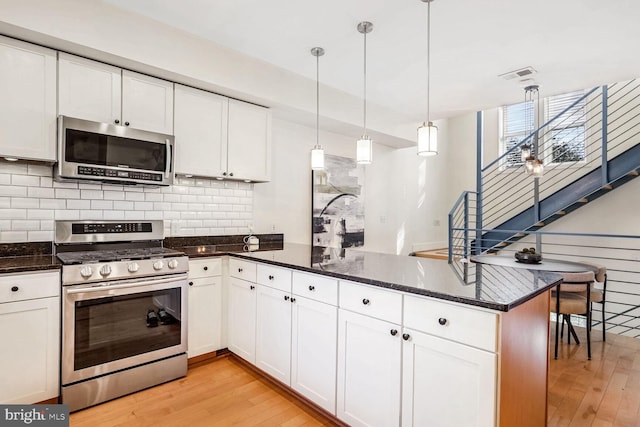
[(205, 315), (242, 318), (274, 277), (89, 90), (28, 106), (200, 132), (316, 287), (147, 102), (249, 142), (369, 370), (371, 301), (241, 269), (273, 333), (446, 383), (314, 337)]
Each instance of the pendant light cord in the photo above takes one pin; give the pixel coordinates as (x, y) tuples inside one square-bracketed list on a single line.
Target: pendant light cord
[(428, 61), (317, 101), (364, 131)]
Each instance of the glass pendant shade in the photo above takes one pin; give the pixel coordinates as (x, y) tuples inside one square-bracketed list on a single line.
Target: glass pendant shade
[(537, 169), (317, 158), (526, 152), (364, 150), (427, 140), (528, 164)]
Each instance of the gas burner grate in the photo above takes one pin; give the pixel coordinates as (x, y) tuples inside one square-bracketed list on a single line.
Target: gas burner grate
[(85, 257)]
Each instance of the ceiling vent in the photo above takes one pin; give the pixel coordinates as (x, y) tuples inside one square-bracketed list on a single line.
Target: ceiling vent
[(519, 75)]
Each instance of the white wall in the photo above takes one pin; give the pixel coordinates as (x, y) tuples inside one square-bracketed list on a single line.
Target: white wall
[(405, 195)]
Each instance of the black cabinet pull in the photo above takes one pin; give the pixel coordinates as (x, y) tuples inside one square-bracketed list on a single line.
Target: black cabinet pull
[(126, 123), (240, 270), (293, 299), (252, 287), (231, 174), (442, 321), (117, 121), (406, 337), (366, 301), (394, 332), (206, 268), (312, 288), (224, 174), (15, 289), (190, 283), (271, 277), (286, 297)]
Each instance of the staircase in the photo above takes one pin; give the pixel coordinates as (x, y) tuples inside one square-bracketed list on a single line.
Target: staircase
[(508, 204)]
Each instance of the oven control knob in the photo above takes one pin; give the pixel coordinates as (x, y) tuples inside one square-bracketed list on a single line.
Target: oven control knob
[(86, 271), (173, 263), (158, 265), (133, 267), (105, 270)]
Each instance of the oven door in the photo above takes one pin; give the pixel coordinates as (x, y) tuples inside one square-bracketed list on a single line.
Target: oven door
[(105, 326)]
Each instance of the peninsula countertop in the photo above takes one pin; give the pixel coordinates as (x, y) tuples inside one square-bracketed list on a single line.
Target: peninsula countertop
[(495, 287)]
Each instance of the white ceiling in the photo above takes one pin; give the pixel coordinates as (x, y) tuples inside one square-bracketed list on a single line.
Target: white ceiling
[(572, 44)]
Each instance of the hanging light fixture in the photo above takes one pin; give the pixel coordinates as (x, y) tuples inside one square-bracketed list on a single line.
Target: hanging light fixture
[(364, 146), (317, 153), (428, 133), (532, 164)]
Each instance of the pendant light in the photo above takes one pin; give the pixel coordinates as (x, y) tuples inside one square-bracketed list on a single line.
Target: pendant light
[(364, 146), (317, 153), (428, 133), (532, 164)]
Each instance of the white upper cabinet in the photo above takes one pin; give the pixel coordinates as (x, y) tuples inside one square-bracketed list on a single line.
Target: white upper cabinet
[(249, 148), (200, 131), (221, 137), (28, 106), (99, 92)]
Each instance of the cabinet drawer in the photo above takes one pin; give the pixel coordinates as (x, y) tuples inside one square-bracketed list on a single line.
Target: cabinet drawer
[(371, 301), (274, 277), (206, 267), (20, 287), (315, 287), (244, 270), (454, 322)]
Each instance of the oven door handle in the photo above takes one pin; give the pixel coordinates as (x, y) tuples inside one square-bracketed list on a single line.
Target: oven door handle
[(128, 284)]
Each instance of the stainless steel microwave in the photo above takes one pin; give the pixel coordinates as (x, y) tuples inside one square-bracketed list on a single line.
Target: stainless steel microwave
[(111, 153)]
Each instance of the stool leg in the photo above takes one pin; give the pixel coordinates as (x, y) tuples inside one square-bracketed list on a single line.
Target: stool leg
[(557, 320), (604, 335), (588, 325)]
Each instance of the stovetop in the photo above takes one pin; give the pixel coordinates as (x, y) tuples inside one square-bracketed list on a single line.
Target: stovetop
[(85, 257)]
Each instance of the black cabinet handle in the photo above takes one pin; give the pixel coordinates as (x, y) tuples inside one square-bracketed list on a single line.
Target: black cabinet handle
[(366, 301), (117, 121), (271, 277), (240, 270), (293, 299), (15, 289), (252, 287), (286, 297), (190, 283), (442, 321), (224, 174), (231, 174), (206, 268), (312, 288), (394, 332), (126, 123), (406, 337)]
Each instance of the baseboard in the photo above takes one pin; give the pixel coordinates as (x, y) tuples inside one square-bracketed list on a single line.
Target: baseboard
[(207, 357)]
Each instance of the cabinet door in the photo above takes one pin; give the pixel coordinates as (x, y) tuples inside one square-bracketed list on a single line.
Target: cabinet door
[(242, 318), (88, 89), (205, 315), (369, 371), (29, 360), (28, 106), (249, 146), (201, 132), (147, 102), (445, 383), (314, 338), (273, 333)]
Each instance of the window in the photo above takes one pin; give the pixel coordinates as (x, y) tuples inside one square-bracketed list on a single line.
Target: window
[(564, 139)]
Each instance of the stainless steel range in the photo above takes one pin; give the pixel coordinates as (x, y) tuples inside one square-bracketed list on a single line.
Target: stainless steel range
[(124, 309)]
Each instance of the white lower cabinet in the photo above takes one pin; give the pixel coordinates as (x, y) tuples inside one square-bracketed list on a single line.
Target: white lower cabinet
[(205, 306), (369, 370), (30, 337), (241, 321), (445, 383), (314, 336), (273, 332)]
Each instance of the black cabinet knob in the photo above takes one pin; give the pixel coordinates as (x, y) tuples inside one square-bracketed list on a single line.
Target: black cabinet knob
[(442, 321), (366, 301), (190, 283), (406, 337), (293, 299), (271, 277), (239, 270), (117, 121), (312, 288), (286, 297), (224, 174), (15, 289), (252, 287), (126, 123), (394, 332), (231, 174), (206, 268)]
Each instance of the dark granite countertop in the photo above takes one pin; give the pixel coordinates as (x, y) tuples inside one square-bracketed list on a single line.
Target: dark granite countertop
[(494, 287), (28, 256)]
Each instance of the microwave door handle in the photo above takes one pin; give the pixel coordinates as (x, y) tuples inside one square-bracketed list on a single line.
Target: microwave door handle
[(167, 170)]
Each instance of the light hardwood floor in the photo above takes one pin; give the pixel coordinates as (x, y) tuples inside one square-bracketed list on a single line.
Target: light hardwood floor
[(602, 392)]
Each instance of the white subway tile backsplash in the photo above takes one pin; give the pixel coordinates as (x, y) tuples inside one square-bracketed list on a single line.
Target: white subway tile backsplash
[(31, 201)]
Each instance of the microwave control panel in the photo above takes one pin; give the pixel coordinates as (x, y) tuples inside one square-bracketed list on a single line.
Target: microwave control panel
[(118, 173)]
